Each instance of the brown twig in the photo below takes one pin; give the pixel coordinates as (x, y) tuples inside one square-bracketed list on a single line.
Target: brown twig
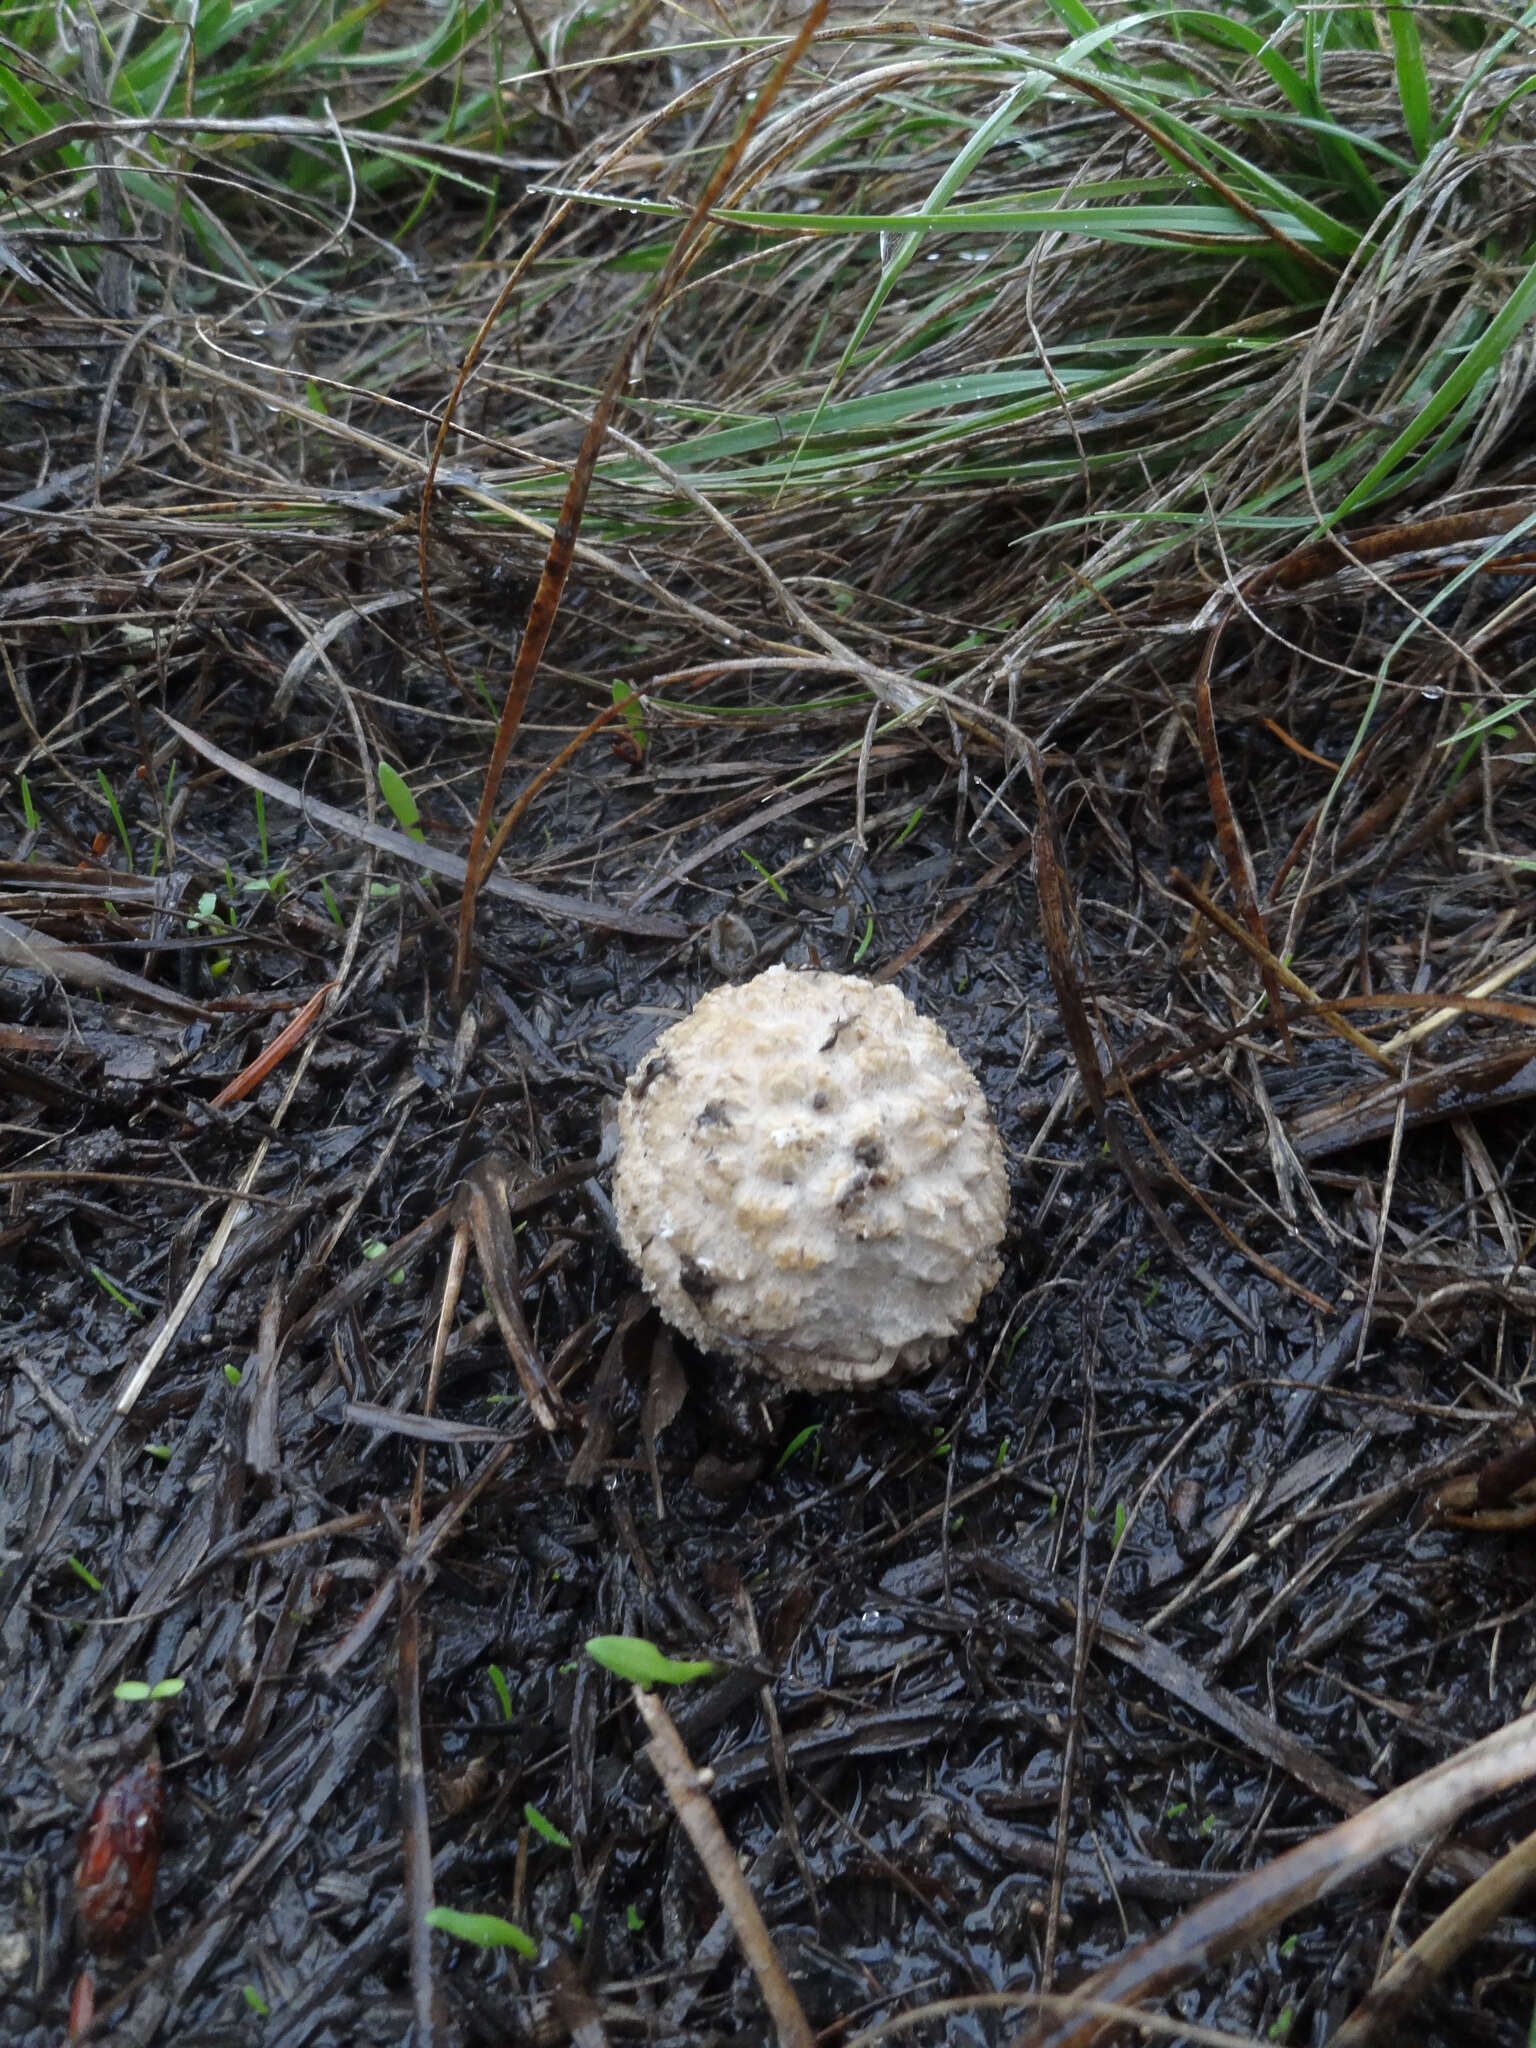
[(685, 1787), (1255, 1904), (272, 1054), (557, 563), (1384, 2010), (1233, 851)]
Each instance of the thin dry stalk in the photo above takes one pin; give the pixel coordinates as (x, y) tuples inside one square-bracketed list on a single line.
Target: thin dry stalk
[(557, 563), (1382, 2012), (685, 1787), (1249, 1909), (413, 1802)]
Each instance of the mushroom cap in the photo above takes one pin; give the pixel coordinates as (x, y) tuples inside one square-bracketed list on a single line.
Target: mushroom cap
[(809, 1178)]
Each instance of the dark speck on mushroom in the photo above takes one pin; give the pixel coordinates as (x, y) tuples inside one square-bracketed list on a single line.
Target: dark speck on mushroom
[(694, 1281), (652, 1072)]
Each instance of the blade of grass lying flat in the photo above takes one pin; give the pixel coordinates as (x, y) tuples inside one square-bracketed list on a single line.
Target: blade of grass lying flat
[(1264, 189), (422, 854), (1199, 226)]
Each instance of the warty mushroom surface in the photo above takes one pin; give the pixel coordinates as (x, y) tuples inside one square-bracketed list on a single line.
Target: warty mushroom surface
[(809, 1179)]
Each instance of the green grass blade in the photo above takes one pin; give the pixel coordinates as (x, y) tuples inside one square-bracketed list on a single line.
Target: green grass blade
[(1480, 360), (1412, 85)]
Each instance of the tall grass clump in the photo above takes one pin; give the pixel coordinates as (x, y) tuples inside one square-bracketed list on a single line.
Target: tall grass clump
[(1018, 332)]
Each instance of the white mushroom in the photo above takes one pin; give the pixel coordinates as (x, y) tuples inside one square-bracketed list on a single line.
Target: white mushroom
[(809, 1178)]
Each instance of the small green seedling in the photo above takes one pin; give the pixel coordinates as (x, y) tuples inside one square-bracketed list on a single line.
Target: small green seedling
[(133, 1691), (255, 2001), (232, 1374), (375, 1248), (117, 816), (772, 880), (111, 1287), (396, 793), (633, 714), (485, 1930), (908, 829), (29, 815), (639, 1661), (546, 1828), (208, 918), (502, 1690), (632, 1919), (810, 1434), (87, 1577)]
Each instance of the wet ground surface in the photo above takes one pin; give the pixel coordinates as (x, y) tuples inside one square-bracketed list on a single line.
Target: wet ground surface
[(1223, 1459)]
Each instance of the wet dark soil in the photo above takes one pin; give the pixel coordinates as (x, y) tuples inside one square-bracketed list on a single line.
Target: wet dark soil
[(1188, 1453), (1016, 1661)]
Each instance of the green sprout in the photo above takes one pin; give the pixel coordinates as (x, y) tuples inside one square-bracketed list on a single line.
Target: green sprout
[(117, 816), (811, 1433), (545, 1828), (632, 712), (484, 1930), (397, 795), (111, 1287), (639, 1661), (772, 880), (502, 1691), (133, 1691)]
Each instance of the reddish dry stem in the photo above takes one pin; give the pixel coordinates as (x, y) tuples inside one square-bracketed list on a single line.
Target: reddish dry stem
[(293, 1033)]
